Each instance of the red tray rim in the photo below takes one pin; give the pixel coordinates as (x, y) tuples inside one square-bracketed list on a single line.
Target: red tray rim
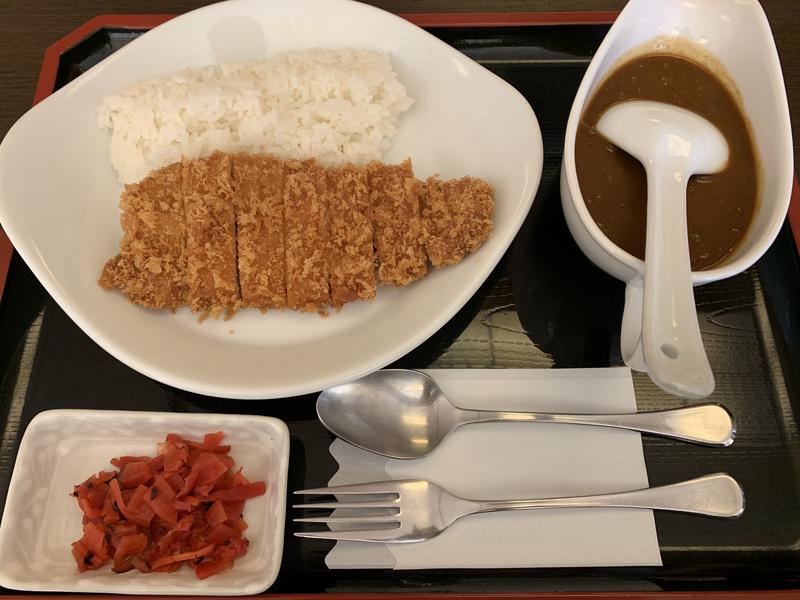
[(45, 86), (654, 595)]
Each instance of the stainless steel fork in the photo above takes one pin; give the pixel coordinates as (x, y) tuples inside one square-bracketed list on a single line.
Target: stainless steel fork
[(416, 510)]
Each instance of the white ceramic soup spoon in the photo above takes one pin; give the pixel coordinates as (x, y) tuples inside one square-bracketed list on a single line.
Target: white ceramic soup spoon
[(673, 144)]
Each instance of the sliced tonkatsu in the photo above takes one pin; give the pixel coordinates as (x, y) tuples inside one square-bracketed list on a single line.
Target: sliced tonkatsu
[(398, 230), (457, 216), (150, 267), (258, 190), (351, 258), (211, 270), (307, 236), (232, 231)]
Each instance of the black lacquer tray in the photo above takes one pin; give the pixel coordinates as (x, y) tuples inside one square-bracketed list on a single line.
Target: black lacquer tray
[(544, 306)]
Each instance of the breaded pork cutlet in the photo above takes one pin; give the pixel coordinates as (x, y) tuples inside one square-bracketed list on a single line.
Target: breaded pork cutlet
[(151, 265), (258, 189), (457, 216), (307, 236), (398, 234), (351, 258), (211, 235), (231, 231)]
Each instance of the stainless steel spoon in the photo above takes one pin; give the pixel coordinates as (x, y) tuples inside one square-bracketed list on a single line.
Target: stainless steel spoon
[(404, 414)]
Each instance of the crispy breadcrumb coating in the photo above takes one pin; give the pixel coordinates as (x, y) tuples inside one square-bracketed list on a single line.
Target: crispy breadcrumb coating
[(351, 259), (307, 236), (457, 215), (151, 264), (397, 222), (211, 236), (258, 189), (231, 231)]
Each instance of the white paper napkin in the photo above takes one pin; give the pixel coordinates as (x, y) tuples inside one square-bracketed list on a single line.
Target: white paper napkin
[(520, 460)]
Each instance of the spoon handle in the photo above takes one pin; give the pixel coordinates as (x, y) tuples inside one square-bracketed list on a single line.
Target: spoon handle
[(706, 424), (671, 342)]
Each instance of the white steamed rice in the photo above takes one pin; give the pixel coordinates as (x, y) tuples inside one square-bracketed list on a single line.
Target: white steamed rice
[(334, 105)]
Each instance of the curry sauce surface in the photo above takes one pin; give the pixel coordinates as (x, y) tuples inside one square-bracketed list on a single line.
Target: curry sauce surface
[(720, 207)]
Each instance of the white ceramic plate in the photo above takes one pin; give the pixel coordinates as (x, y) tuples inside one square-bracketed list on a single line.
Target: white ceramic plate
[(59, 194), (64, 447)]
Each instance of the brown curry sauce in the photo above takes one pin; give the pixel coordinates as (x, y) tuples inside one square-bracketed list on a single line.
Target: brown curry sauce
[(720, 207)]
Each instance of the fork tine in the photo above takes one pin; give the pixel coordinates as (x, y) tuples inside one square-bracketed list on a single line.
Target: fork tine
[(367, 535), (349, 520), (376, 487), (333, 505)]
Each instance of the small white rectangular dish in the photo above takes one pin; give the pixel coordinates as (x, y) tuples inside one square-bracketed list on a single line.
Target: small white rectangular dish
[(61, 448)]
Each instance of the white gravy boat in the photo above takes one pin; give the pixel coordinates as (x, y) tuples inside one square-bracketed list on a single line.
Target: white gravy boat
[(737, 33)]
